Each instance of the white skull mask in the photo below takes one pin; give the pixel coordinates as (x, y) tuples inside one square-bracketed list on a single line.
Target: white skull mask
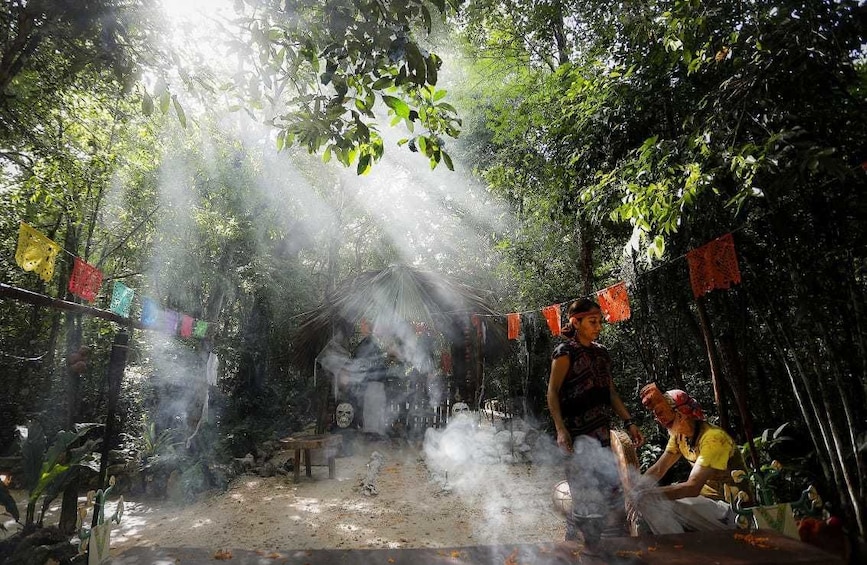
[(460, 408), (345, 413)]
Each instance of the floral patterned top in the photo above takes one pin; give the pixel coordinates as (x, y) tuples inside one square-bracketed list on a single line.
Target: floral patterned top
[(585, 395)]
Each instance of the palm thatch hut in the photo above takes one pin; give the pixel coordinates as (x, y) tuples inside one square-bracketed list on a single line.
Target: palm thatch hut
[(418, 337)]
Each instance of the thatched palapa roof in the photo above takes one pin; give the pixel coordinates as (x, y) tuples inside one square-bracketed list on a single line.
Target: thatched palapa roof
[(387, 300)]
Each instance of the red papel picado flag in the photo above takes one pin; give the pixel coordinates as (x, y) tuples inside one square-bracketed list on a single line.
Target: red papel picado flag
[(614, 302), (713, 265), (85, 280), (552, 316), (514, 325)]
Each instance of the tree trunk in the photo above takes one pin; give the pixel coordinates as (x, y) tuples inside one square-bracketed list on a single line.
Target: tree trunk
[(735, 369), (559, 31), (585, 249)]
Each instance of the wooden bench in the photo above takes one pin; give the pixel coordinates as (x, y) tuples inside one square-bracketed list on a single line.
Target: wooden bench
[(328, 442)]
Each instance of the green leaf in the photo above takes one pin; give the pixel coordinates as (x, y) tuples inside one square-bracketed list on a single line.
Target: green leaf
[(447, 107), (147, 104), (8, 502), (432, 63), (416, 63), (179, 111), (425, 13), (363, 131), (401, 109), (363, 165), (448, 161), (384, 82), (165, 99)]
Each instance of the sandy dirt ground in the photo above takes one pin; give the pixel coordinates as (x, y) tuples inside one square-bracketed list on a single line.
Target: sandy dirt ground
[(410, 510), (502, 503)]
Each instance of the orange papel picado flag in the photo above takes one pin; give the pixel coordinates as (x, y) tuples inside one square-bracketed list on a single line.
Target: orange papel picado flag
[(614, 302), (514, 324), (36, 252), (713, 265), (552, 316)]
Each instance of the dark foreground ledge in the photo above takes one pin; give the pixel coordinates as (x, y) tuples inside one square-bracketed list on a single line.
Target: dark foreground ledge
[(723, 548)]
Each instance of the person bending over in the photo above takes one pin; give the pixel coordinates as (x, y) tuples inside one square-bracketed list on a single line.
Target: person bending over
[(701, 499)]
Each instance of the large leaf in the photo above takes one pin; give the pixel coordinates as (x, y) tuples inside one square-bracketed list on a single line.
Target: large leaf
[(401, 109), (33, 455), (8, 502)]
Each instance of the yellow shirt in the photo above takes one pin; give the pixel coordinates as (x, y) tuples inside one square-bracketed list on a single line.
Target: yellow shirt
[(714, 449)]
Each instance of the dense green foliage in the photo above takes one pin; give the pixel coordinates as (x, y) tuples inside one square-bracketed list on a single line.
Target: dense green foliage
[(661, 128), (319, 69), (611, 140)]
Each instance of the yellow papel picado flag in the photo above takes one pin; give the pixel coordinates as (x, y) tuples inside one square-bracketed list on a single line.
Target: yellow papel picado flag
[(36, 252)]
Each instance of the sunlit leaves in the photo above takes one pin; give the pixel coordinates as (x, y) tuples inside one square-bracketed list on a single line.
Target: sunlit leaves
[(325, 66)]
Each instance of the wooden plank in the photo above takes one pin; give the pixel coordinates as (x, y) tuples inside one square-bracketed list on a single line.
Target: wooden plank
[(312, 442), (21, 295)]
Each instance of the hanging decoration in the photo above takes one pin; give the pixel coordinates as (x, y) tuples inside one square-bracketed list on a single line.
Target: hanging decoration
[(446, 362), (552, 316), (150, 313), (201, 329), (713, 265), (514, 325), (170, 320), (85, 280), (121, 299), (614, 302), (36, 252), (186, 326)]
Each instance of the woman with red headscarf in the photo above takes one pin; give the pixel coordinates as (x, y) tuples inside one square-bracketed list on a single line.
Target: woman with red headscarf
[(710, 450)]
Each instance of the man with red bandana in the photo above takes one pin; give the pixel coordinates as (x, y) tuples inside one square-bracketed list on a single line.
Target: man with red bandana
[(713, 454)]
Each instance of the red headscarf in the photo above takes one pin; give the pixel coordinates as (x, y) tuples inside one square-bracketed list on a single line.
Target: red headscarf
[(663, 405), (685, 404)]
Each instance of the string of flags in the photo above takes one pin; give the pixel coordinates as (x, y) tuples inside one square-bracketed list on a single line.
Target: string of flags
[(711, 266), (38, 253)]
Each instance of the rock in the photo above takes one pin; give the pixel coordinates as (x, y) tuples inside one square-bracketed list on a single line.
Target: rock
[(43, 545)]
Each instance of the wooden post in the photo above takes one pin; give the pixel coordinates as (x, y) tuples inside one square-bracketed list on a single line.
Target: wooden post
[(739, 385), (713, 361), (116, 366)]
